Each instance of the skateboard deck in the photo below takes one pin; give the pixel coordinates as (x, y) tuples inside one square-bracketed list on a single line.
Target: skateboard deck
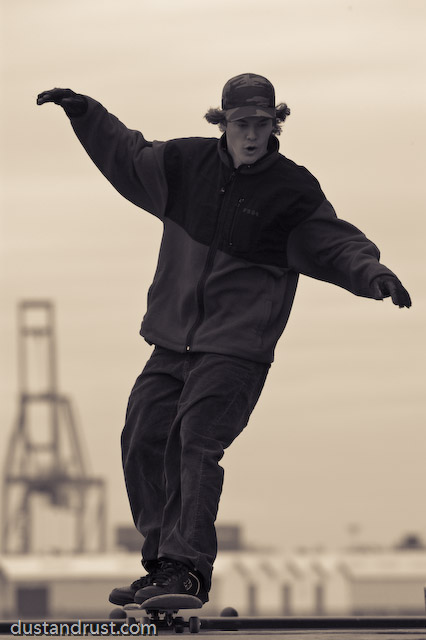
[(162, 611)]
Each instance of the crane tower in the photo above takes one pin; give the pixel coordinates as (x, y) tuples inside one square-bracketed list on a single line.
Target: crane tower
[(44, 459)]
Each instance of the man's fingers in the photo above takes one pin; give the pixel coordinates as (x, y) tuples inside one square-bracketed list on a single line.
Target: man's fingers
[(391, 287), (73, 103), (399, 294), (55, 95), (46, 96), (404, 299)]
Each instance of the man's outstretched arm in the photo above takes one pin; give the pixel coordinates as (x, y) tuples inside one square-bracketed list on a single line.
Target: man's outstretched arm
[(329, 248), (133, 165)]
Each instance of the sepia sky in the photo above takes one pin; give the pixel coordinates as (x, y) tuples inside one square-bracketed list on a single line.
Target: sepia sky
[(338, 437)]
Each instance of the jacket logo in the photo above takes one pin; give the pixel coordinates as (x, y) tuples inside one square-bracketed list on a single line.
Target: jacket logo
[(251, 212)]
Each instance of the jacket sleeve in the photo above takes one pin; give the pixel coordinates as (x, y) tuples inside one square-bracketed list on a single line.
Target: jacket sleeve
[(132, 165), (330, 249)]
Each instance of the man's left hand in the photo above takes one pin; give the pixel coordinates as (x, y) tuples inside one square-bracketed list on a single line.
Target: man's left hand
[(385, 286)]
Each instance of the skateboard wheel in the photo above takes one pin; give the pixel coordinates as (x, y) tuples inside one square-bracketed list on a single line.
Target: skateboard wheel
[(229, 612), (179, 624), (117, 614), (194, 624)]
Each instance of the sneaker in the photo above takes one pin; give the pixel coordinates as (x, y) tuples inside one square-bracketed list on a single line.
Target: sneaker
[(173, 577), (126, 595)]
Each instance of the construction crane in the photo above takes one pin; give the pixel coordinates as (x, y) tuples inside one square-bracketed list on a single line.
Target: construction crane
[(44, 457)]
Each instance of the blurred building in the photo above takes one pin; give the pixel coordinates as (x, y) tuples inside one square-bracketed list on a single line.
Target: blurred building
[(255, 583)]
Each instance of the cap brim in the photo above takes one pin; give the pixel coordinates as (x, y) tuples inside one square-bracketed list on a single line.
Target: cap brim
[(247, 112)]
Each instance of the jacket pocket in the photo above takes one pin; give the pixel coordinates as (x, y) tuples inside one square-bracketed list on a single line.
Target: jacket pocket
[(244, 229)]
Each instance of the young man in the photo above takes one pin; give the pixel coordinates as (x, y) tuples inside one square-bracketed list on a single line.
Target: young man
[(241, 222)]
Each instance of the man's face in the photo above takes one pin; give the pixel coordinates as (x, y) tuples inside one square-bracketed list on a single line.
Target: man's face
[(247, 139)]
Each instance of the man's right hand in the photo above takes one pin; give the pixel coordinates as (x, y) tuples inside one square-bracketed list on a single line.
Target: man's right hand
[(74, 104)]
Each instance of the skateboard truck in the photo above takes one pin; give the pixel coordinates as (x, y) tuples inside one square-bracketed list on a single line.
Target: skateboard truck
[(162, 611)]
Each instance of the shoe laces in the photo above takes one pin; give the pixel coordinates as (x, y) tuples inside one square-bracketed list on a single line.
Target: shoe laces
[(140, 583), (146, 580), (168, 570)]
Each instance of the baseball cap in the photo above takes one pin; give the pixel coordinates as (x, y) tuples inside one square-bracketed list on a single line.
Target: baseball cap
[(248, 95)]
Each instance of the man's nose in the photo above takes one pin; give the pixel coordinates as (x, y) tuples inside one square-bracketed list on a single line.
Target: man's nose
[(251, 133)]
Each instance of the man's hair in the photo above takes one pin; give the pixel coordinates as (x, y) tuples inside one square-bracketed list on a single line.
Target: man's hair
[(218, 116)]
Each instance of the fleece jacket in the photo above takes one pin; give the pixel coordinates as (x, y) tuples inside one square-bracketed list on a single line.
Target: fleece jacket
[(234, 240)]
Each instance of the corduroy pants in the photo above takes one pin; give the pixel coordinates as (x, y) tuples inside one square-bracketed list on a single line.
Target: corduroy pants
[(183, 412)]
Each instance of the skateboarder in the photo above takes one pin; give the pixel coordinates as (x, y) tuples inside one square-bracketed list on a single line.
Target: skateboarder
[(241, 222)]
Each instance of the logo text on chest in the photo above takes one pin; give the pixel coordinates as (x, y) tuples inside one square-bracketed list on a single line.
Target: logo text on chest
[(251, 212)]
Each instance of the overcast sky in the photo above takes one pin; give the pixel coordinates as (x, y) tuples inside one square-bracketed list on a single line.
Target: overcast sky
[(338, 436)]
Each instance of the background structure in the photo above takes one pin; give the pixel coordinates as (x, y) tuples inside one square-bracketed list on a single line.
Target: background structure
[(335, 448)]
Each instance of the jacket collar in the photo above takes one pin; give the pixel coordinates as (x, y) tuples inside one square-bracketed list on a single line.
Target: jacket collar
[(260, 165)]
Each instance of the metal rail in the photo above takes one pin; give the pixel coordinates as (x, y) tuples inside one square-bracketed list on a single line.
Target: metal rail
[(220, 623), (315, 622)]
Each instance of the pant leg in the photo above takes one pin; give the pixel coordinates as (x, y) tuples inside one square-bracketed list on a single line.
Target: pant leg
[(219, 395), (151, 410)]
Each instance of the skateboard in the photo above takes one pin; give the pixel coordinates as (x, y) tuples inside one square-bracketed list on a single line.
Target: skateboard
[(162, 611)]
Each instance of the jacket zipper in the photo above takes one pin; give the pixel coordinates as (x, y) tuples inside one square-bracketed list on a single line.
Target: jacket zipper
[(209, 264), (234, 219)]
